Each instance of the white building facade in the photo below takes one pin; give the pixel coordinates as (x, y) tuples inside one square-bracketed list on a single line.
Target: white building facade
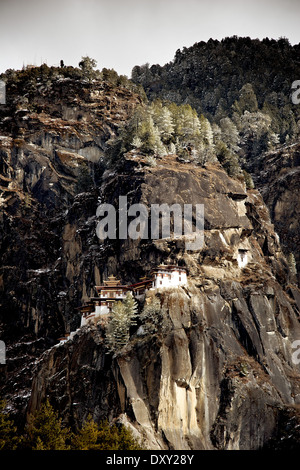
[(169, 276), (100, 307)]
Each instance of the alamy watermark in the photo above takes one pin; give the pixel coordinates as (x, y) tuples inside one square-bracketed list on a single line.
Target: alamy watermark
[(296, 354), (154, 222), (2, 353), (296, 93), (2, 92)]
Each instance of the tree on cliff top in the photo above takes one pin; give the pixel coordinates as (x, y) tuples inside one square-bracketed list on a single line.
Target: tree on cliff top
[(154, 317), (87, 65), (122, 318)]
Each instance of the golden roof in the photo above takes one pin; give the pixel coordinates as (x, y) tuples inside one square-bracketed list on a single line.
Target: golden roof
[(112, 281)]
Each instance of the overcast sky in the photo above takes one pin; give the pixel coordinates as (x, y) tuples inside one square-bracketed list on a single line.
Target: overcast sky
[(122, 33)]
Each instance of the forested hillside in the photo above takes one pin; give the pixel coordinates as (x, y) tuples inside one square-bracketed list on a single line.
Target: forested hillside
[(242, 86)]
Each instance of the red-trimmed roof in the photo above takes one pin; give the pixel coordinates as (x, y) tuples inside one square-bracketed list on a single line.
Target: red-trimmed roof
[(168, 267), (101, 299), (141, 283), (111, 287)]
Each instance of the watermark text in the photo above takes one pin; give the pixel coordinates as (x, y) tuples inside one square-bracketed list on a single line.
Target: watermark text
[(2, 92), (157, 222), (296, 354), (2, 352), (296, 93)]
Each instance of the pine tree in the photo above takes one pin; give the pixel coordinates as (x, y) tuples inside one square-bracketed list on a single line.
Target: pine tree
[(87, 437), (131, 308), (254, 125), (229, 134), (187, 124), (154, 317), (123, 316), (125, 439), (45, 430), (159, 148), (112, 437), (148, 135), (137, 142), (164, 122), (247, 100), (207, 135), (256, 132), (87, 65), (104, 437), (228, 160), (110, 75), (248, 180), (117, 333), (9, 440)]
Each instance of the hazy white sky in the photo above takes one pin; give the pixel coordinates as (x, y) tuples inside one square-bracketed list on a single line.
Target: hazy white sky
[(122, 33)]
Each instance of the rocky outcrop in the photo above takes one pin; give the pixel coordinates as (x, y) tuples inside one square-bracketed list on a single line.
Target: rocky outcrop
[(220, 374), (217, 379), (51, 153), (277, 178)]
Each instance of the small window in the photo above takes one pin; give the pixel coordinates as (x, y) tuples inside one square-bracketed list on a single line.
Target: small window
[(242, 254), (179, 278), (160, 282)]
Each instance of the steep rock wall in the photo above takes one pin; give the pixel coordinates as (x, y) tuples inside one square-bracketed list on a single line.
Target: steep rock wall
[(48, 151), (221, 375), (216, 379), (222, 372), (277, 178)]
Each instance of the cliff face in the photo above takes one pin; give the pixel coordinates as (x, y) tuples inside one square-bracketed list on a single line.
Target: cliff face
[(52, 148), (277, 178), (220, 373)]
